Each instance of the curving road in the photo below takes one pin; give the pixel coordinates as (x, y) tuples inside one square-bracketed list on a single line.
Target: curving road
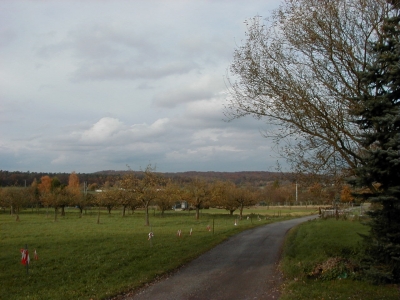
[(243, 267)]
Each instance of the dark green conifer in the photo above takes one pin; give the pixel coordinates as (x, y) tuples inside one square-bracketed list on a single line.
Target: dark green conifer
[(378, 115)]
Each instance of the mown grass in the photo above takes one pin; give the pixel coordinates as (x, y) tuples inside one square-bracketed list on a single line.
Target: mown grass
[(308, 263), (80, 259)]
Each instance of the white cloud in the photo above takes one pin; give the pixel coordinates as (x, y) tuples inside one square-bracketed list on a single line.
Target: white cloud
[(103, 130)]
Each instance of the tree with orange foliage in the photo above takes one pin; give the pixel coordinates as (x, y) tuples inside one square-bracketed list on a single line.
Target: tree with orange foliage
[(73, 190), (73, 181), (45, 184), (45, 195), (345, 195)]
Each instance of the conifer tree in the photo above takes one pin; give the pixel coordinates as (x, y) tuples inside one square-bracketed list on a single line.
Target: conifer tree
[(378, 116)]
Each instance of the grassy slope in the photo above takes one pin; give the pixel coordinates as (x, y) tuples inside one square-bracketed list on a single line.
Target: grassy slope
[(312, 244), (80, 259)]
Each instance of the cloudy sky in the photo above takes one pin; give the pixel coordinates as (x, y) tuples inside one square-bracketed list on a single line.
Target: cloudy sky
[(93, 85)]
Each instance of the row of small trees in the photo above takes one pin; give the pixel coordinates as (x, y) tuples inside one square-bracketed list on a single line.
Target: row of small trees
[(132, 192)]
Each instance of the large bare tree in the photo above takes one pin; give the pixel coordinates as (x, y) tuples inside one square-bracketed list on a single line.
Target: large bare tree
[(299, 71)]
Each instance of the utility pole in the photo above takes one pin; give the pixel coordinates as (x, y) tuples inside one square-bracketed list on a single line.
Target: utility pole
[(85, 188)]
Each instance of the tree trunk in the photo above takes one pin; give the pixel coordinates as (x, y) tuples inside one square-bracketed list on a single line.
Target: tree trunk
[(147, 223), (62, 211), (241, 212), (123, 210)]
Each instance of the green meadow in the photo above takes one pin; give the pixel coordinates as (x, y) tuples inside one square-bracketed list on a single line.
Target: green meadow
[(80, 259), (320, 260)]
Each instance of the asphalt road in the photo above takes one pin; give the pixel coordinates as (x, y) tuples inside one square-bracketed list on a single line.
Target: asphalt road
[(243, 267)]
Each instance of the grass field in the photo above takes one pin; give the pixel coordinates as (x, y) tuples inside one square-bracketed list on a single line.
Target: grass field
[(80, 259), (319, 261)]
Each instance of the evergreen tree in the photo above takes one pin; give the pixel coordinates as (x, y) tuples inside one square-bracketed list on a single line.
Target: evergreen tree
[(379, 117)]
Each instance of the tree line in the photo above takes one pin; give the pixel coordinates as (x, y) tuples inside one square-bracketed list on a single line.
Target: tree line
[(131, 192), (257, 178)]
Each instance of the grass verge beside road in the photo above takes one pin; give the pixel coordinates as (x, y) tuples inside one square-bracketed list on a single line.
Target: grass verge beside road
[(80, 259), (320, 262)]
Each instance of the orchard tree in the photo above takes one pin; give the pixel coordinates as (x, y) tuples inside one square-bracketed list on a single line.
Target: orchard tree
[(73, 184), (34, 190), (16, 198), (73, 181), (148, 189), (244, 197), (123, 199), (109, 199), (83, 201), (130, 196), (44, 185), (378, 116), (127, 199), (167, 196), (300, 72), (46, 196), (63, 198), (77, 198), (197, 193), (222, 196), (99, 200)]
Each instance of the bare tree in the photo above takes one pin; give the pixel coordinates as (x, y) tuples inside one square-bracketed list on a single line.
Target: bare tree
[(300, 72)]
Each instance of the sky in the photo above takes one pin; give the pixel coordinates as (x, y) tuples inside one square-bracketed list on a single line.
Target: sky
[(99, 85)]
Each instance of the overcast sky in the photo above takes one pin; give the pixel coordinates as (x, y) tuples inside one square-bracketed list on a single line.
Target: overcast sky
[(87, 86)]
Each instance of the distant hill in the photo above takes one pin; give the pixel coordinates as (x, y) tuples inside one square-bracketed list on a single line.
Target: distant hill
[(257, 178), (242, 177)]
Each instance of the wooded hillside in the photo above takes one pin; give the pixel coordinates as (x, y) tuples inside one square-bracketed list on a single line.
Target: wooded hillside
[(256, 178)]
